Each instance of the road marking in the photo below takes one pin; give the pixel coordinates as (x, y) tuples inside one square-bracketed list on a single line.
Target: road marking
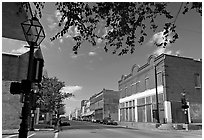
[(56, 135), (11, 136), (31, 135)]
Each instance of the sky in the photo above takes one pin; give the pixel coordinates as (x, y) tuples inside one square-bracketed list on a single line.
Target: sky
[(93, 69)]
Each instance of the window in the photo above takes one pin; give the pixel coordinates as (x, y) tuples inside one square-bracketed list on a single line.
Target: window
[(137, 86), (133, 90), (146, 83), (197, 80), (159, 78), (125, 91)]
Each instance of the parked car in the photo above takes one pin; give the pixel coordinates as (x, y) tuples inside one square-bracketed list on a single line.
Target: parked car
[(64, 122), (93, 120), (109, 121)]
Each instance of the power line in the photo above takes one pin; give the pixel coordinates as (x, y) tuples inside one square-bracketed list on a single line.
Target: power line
[(178, 13)]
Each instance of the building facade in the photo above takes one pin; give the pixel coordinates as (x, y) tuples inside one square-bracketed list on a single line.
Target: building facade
[(168, 76), (14, 68), (86, 113), (105, 104)]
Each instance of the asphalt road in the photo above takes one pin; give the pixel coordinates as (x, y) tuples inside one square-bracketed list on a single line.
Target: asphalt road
[(80, 129)]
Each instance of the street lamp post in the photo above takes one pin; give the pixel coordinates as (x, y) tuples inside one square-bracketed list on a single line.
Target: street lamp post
[(34, 35)]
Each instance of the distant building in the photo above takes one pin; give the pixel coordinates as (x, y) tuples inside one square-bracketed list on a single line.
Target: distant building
[(174, 75), (105, 104), (86, 113), (83, 104)]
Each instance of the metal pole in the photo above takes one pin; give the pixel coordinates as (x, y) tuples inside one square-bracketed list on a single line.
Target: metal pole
[(32, 101), (157, 103), (32, 120), (186, 116), (26, 110)]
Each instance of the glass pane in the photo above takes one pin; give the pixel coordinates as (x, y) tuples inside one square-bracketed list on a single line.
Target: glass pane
[(147, 83), (133, 114), (161, 97), (159, 79), (148, 112), (148, 100), (26, 28), (126, 118), (137, 87), (141, 101), (154, 99), (141, 114), (33, 31), (36, 23)]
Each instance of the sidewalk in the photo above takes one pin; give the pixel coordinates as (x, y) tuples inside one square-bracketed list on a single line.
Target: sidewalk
[(38, 127), (193, 128)]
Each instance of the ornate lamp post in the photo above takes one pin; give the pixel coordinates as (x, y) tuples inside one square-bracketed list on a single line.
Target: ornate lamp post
[(34, 35)]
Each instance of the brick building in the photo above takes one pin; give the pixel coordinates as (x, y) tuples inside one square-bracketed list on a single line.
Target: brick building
[(14, 68), (105, 104), (174, 76)]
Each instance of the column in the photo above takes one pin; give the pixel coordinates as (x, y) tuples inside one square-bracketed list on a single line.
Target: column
[(136, 116), (167, 110)]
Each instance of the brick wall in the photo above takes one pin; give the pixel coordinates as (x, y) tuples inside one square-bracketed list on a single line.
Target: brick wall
[(111, 102), (10, 65), (11, 108), (14, 67), (180, 75)]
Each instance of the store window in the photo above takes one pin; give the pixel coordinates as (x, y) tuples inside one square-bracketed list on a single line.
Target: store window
[(141, 109)]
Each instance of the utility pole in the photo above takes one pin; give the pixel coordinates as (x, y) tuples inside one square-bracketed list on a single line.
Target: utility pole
[(157, 102)]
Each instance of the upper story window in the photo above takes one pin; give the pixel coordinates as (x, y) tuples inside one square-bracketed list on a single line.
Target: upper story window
[(126, 91), (146, 83), (133, 88), (197, 80), (160, 78), (137, 85)]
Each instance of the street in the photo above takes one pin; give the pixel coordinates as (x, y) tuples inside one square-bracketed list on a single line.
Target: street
[(82, 129)]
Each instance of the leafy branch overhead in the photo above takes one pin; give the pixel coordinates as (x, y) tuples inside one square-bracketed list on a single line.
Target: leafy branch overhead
[(126, 23)]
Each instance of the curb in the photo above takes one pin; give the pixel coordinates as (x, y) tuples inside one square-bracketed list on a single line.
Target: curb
[(10, 132), (15, 131), (44, 129)]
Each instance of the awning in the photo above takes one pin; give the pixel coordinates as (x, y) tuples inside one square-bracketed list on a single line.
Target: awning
[(88, 113)]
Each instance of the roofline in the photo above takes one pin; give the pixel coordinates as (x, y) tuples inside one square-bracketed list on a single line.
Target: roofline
[(155, 59), (13, 54)]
